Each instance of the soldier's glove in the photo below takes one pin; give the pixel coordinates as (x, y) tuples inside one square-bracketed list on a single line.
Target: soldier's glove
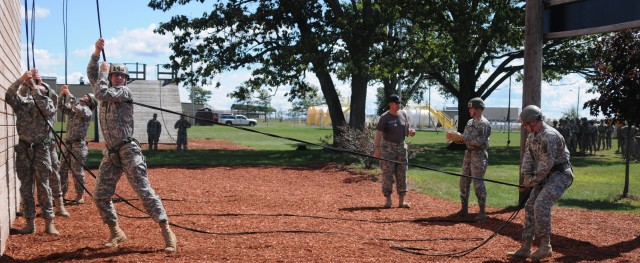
[(454, 136), (529, 181)]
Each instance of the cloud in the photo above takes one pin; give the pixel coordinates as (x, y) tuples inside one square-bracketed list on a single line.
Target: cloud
[(41, 12)]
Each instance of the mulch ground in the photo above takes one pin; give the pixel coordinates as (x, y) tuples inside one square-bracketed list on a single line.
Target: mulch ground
[(309, 214)]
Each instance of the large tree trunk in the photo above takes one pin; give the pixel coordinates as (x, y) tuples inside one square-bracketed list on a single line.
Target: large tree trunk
[(467, 92), (333, 102), (358, 101)]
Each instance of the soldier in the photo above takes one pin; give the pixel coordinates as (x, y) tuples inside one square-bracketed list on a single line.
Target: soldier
[(54, 177), (154, 128), (123, 153), (476, 138), (389, 144), (182, 125), (573, 145), (546, 169), (78, 112), (609, 133), (565, 130), (33, 158), (602, 134)]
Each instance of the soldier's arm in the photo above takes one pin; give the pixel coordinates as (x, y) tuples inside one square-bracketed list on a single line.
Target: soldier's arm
[(82, 111), (44, 103), (546, 159)]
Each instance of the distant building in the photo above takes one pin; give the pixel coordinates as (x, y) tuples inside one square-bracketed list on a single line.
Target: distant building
[(493, 114)]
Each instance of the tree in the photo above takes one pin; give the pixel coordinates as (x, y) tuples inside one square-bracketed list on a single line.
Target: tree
[(280, 41), (617, 81), (570, 114), (469, 48), (198, 95)]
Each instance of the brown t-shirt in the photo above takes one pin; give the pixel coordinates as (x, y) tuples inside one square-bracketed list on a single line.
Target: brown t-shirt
[(393, 127)]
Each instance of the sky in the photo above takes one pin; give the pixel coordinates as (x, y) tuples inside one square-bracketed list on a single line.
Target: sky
[(127, 27)]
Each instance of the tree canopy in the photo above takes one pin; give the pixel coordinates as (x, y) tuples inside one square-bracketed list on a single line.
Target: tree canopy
[(617, 78), (465, 49)]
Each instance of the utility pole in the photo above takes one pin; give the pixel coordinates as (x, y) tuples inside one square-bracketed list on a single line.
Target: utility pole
[(533, 33)]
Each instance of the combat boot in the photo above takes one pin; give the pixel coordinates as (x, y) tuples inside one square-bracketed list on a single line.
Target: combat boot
[(49, 227), (59, 207), (117, 235), (464, 208), (482, 215), (29, 228), (402, 203), (544, 251), (523, 252), (79, 199), (388, 203), (170, 242)]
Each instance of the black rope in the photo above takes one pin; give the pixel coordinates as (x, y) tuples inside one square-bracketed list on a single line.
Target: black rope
[(328, 147), (104, 57), (26, 26)]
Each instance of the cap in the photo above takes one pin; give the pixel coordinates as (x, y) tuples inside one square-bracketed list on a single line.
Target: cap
[(395, 98)]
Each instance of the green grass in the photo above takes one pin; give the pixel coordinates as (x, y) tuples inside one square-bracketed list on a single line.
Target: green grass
[(599, 180)]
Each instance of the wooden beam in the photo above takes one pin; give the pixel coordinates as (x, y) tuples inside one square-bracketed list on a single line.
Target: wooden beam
[(594, 30)]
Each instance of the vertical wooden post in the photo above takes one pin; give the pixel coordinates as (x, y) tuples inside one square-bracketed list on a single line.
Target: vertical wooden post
[(532, 65)]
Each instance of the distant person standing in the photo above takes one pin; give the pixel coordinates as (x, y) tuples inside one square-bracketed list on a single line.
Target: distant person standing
[(389, 144), (474, 165), (546, 169), (154, 128), (122, 153), (182, 125), (78, 112)]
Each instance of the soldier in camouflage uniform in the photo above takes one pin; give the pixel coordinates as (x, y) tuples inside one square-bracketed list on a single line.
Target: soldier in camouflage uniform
[(182, 125), (78, 112), (154, 128), (33, 158), (602, 130), (389, 144), (546, 169), (123, 153), (565, 130), (474, 165)]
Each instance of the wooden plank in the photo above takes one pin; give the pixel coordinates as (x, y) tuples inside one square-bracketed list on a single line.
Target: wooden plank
[(595, 30)]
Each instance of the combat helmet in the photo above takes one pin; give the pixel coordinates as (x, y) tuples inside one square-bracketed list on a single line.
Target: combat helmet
[(476, 102), (530, 113), (93, 101), (119, 68)]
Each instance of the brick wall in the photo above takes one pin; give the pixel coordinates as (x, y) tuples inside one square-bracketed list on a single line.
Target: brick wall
[(9, 72)]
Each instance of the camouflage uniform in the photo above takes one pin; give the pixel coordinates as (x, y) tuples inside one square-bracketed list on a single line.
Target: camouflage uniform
[(154, 128), (123, 153), (609, 133), (182, 125), (393, 150), (546, 168), (54, 177), (75, 154), (33, 157), (602, 130), (476, 138)]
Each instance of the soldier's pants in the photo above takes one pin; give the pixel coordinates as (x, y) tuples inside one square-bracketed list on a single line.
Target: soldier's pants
[(537, 218), (54, 177), (33, 165), (132, 163), (80, 151), (181, 142), (153, 142), (474, 165), (392, 171)]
